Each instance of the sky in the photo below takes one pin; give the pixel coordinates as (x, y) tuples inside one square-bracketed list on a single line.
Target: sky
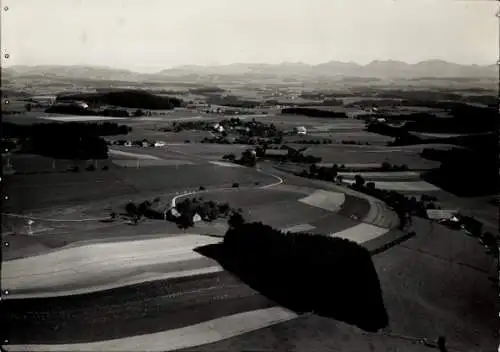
[(150, 35)]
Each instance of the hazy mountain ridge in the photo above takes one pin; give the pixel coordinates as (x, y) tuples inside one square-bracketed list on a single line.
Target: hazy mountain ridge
[(379, 69)]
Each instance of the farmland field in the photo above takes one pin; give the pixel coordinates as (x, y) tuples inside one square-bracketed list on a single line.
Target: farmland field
[(138, 275), (53, 190)]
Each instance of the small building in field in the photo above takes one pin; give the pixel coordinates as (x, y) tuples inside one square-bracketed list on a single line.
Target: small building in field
[(300, 130)]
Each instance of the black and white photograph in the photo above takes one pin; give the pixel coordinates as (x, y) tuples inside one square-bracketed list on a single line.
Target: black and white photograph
[(250, 175)]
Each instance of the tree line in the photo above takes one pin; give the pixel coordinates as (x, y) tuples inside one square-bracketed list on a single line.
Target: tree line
[(138, 99), (306, 272), (311, 112), (72, 140)]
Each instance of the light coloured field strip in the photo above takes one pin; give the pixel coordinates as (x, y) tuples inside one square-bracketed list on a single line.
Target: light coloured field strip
[(361, 233), (415, 186), (225, 164), (147, 162), (79, 266), (80, 118), (299, 228), (133, 155), (331, 201), (195, 335), (381, 174), (125, 281)]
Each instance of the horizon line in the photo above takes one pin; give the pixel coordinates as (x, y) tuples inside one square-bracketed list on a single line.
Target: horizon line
[(134, 69)]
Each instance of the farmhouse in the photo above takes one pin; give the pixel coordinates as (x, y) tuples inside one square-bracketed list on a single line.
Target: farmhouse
[(300, 130), (218, 127)]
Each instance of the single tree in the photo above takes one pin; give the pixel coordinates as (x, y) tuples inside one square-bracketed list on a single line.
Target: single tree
[(236, 219), (131, 209), (138, 113), (359, 180)]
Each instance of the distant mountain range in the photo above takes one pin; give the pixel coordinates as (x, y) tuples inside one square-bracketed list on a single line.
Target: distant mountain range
[(376, 69)]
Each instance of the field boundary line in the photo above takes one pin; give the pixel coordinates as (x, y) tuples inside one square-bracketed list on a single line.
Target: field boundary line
[(53, 220)]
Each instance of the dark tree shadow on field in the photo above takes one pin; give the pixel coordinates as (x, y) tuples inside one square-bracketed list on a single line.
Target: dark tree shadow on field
[(331, 277)]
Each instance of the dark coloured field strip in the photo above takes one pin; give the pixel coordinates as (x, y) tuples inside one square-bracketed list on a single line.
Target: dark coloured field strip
[(123, 312), (354, 206)]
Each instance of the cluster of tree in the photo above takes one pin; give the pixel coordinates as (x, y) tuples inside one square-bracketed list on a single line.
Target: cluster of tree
[(229, 157), (145, 209), (80, 147), (436, 154), (232, 101), (218, 140), (323, 173), (402, 205), (311, 112), (207, 210), (476, 228), (136, 99), (178, 126), (206, 90), (465, 119), (296, 270), (251, 129), (114, 112), (466, 172), (248, 158), (57, 129), (426, 95), (335, 168), (387, 166), (63, 140)]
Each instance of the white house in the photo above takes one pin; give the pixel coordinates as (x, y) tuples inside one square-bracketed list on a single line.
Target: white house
[(300, 130), (218, 127)]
